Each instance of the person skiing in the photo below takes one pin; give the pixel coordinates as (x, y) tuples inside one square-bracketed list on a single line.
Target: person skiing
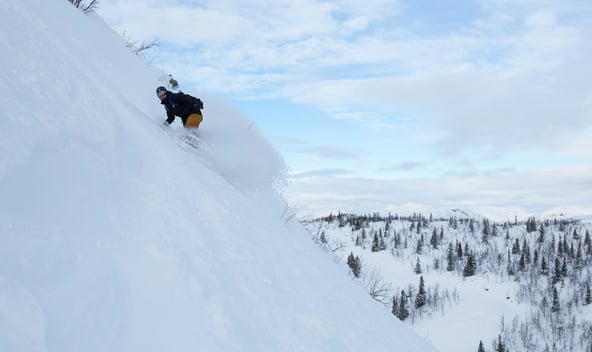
[(187, 107)]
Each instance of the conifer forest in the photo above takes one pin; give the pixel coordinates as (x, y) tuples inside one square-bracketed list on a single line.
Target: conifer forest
[(546, 263)]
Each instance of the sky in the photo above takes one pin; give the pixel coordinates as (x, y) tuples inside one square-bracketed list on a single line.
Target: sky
[(396, 106), (115, 235)]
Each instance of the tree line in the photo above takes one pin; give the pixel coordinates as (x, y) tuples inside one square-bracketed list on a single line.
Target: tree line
[(549, 260)]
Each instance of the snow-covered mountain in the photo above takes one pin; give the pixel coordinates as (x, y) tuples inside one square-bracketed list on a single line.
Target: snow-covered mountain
[(523, 282), (116, 236)]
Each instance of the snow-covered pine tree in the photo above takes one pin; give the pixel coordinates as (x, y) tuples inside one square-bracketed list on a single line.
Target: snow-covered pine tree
[(354, 264), (579, 258), (375, 244), (417, 269), (522, 263), (358, 241), (395, 307), (481, 348), (556, 272), (541, 238), (500, 345), (450, 258), (420, 299), (555, 305), (381, 243), (434, 239), (516, 247), (485, 231), (544, 267), (526, 252), (575, 235), (587, 240), (403, 310), (531, 225), (564, 270), (471, 266)]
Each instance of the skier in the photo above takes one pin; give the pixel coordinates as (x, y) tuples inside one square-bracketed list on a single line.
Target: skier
[(187, 107)]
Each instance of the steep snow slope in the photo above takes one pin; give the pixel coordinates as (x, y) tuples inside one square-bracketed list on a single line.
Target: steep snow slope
[(115, 237)]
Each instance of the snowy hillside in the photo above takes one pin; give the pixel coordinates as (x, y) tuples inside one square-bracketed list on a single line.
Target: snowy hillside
[(115, 236), (525, 284)]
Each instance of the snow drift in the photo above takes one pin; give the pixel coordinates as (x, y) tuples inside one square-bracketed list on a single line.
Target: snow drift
[(115, 237)]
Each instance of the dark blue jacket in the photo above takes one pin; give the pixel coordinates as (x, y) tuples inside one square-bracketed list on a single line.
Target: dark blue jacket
[(182, 105)]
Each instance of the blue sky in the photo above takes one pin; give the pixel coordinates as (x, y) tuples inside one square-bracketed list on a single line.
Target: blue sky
[(395, 105)]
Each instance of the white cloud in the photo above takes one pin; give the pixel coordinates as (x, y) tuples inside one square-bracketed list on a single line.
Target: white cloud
[(524, 192), (321, 173), (403, 166)]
